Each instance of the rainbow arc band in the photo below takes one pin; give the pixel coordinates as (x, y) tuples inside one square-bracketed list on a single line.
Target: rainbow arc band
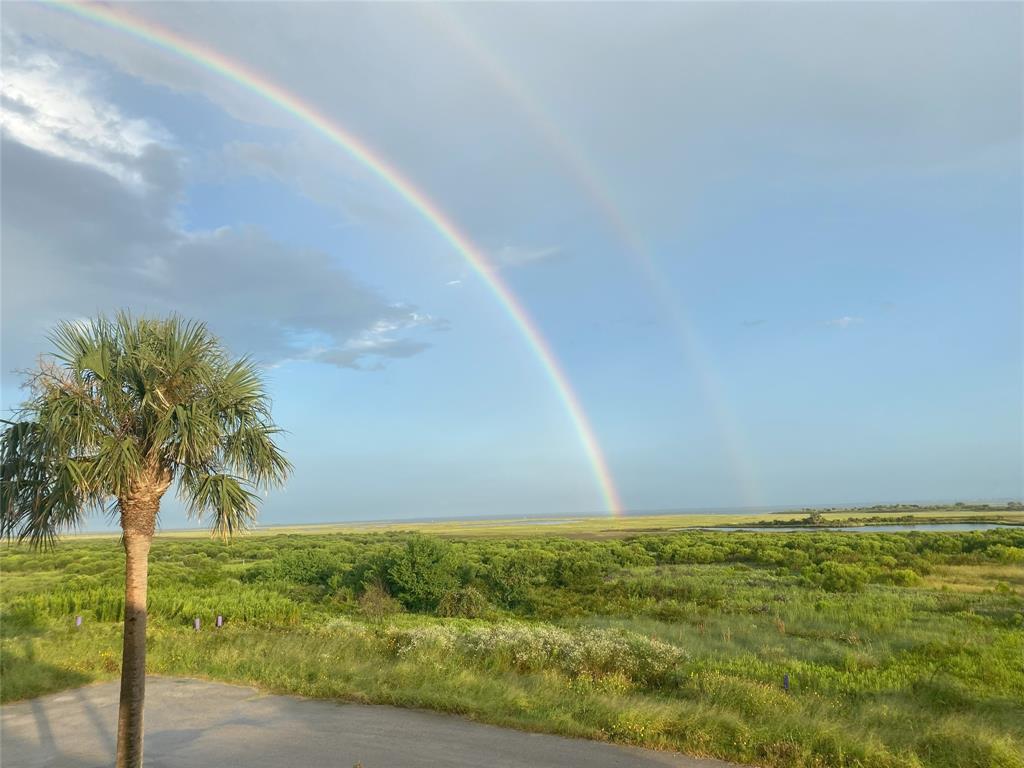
[(165, 39)]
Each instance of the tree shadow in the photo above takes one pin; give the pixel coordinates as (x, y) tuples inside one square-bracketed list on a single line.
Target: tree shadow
[(103, 728), (16, 745), (25, 676), (46, 740), (20, 623)]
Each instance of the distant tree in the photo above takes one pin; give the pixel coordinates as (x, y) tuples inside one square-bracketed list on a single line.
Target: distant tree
[(122, 411)]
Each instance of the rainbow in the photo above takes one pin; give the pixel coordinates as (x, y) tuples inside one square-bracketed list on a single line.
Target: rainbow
[(585, 174), (234, 71)]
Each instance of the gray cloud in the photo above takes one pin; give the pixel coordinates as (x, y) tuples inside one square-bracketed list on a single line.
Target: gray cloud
[(76, 241), (354, 355), (15, 104)]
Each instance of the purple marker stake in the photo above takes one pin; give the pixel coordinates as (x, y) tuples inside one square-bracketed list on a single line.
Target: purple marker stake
[(78, 621), (220, 621), (196, 624), (785, 683)]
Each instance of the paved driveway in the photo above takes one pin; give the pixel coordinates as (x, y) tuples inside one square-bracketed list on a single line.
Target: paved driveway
[(197, 723)]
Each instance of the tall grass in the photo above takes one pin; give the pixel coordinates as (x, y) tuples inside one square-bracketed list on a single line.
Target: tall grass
[(240, 602)]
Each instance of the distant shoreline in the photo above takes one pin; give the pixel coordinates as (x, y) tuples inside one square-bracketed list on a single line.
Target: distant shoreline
[(824, 518)]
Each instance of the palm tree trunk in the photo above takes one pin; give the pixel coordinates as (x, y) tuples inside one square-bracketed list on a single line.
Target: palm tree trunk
[(133, 657)]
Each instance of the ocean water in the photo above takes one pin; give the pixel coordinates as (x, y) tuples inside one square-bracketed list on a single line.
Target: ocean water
[(898, 528)]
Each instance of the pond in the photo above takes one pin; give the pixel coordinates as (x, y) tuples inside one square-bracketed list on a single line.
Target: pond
[(900, 528)]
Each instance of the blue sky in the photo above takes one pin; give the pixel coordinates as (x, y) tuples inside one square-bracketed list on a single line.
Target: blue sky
[(830, 197)]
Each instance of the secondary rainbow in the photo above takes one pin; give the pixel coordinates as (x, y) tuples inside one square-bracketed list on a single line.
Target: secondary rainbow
[(584, 172), (174, 43)]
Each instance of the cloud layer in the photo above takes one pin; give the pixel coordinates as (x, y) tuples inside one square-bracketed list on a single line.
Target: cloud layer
[(90, 224)]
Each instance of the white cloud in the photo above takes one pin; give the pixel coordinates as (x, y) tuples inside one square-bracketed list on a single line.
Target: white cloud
[(516, 256), (354, 352), (50, 108), (845, 321), (378, 341)]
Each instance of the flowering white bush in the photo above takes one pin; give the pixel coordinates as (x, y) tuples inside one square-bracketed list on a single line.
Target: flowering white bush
[(535, 647)]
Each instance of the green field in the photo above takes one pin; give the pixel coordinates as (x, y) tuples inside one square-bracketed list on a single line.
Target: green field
[(900, 649)]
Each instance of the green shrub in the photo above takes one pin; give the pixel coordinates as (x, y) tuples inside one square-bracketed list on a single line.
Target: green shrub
[(836, 577), (305, 566), (420, 573)]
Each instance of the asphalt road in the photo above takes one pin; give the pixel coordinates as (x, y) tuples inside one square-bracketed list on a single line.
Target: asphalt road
[(197, 723)]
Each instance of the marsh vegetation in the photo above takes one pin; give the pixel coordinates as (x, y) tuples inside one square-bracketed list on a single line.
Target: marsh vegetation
[(898, 649)]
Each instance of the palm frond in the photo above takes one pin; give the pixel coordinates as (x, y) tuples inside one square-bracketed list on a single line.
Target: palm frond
[(41, 493), (221, 499), (250, 451)]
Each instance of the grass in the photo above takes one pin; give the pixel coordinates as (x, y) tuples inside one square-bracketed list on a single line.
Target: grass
[(901, 650)]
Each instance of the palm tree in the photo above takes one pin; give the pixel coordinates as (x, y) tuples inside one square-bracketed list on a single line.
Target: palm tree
[(123, 410)]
